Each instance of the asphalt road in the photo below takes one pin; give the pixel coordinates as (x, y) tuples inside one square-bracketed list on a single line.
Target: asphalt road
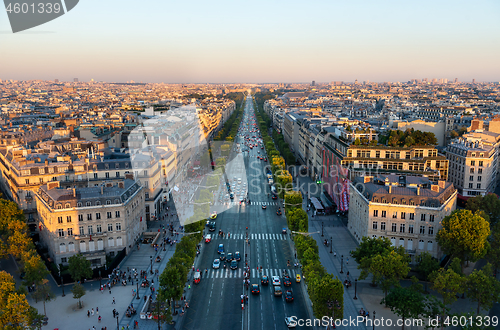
[(216, 301)]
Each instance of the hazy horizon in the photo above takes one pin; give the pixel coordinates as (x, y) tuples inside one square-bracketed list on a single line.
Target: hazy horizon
[(286, 42)]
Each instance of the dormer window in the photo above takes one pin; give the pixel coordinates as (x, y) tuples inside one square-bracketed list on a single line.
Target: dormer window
[(117, 201), (98, 203), (59, 206), (79, 204), (88, 204), (67, 206), (108, 202), (106, 166)]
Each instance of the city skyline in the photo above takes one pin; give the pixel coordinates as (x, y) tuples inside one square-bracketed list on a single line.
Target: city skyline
[(198, 42)]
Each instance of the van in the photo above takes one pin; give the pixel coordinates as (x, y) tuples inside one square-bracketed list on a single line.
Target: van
[(197, 277), (277, 291)]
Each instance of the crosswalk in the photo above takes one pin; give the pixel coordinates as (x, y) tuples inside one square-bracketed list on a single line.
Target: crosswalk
[(274, 237), (252, 204), (238, 273)]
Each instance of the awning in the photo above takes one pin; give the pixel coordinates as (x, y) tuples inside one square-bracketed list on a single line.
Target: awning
[(316, 203)]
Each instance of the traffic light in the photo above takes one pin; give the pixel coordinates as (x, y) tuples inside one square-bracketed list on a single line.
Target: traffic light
[(319, 181)]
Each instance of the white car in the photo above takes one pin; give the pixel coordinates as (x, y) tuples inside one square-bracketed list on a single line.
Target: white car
[(216, 264), (276, 280), (289, 322)]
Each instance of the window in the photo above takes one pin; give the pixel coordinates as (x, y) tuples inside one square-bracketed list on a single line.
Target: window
[(472, 170), (80, 217), (403, 215), (410, 229), (41, 180), (394, 227), (98, 216), (375, 224), (145, 173), (95, 175), (480, 163), (479, 178), (68, 218), (478, 186), (88, 204), (108, 215), (117, 214), (89, 228), (422, 229), (59, 206), (146, 195), (472, 163), (470, 185), (60, 232), (471, 178), (117, 174), (479, 171), (412, 216), (110, 227), (70, 231), (431, 217), (422, 217), (402, 228), (107, 175), (407, 155), (99, 229), (395, 215), (79, 204), (97, 203), (375, 213), (118, 226), (382, 225), (431, 230), (59, 220), (64, 260), (383, 214), (27, 181), (412, 202), (82, 232), (89, 216), (377, 154), (108, 202)]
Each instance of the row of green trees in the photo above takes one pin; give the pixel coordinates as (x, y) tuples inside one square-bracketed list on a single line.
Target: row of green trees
[(230, 127), (15, 312), (408, 138)]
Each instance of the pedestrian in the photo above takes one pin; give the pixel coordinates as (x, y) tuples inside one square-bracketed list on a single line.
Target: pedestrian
[(113, 301), (97, 310), (114, 313), (189, 286), (92, 312), (88, 313), (347, 261)]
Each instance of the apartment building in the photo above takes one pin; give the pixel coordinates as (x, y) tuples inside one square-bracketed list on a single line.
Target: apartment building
[(473, 167), (406, 209), (92, 221)]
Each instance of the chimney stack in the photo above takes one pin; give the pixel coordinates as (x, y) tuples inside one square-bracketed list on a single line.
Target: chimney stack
[(46, 162), (74, 192), (390, 189), (418, 191), (102, 189)]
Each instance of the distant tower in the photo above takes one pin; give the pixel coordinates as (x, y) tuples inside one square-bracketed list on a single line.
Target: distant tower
[(473, 81), (56, 80), (456, 80), (75, 79), (313, 83)]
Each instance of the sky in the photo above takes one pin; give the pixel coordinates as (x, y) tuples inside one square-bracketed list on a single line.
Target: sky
[(260, 41)]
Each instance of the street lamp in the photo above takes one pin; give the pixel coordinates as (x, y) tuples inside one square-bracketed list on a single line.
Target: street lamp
[(117, 324), (100, 279), (331, 244), (151, 260), (62, 281), (374, 320), (137, 289), (355, 289), (321, 228), (342, 264)]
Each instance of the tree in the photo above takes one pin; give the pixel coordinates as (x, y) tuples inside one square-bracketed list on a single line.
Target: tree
[(482, 287), (387, 269), (15, 312), (79, 267), (427, 264), (327, 296), (405, 303), (172, 282), (490, 204), (493, 255), (464, 235), (448, 284), (371, 246), (293, 199), (78, 292), (34, 268), (44, 293), (161, 312)]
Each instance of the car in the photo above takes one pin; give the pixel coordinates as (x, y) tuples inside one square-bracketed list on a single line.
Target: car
[(297, 278), (264, 280), (234, 264), (229, 257), (216, 264), (222, 256), (220, 249), (211, 226), (276, 280), (287, 281), (197, 277), (231, 195), (264, 207), (239, 180), (265, 159), (213, 215), (290, 322), (289, 296), (237, 256), (277, 291), (208, 238), (255, 289)]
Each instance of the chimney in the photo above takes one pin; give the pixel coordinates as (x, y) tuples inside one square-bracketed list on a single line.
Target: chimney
[(418, 191), (52, 185), (390, 189), (102, 188), (74, 192), (46, 162), (435, 188), (442, 184), (121, 185)]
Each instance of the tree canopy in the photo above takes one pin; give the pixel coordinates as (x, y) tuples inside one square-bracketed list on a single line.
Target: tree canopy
[(79, 267), (408, 138)]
